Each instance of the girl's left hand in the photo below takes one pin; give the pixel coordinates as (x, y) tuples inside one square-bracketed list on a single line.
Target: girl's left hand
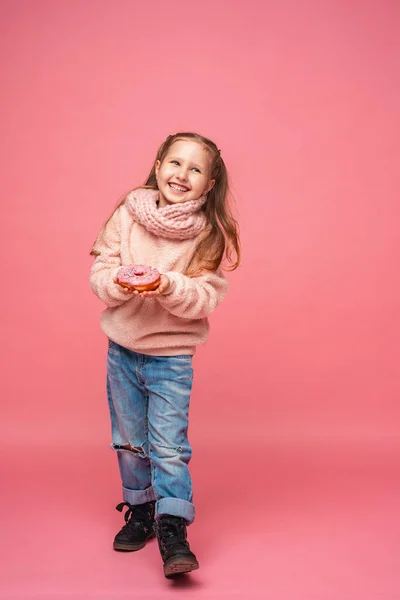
[(164, 285)]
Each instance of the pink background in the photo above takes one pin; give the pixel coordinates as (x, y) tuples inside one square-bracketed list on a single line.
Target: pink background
[(295, 413)]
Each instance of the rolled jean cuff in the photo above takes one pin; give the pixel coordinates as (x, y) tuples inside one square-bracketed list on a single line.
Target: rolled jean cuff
[(176, 507), (138, 496)]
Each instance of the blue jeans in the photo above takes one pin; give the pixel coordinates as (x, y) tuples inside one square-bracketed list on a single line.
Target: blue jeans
[(149, 397)]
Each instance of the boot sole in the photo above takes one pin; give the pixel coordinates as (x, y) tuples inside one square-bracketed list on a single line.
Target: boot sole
[(121, 547), (178, 565)]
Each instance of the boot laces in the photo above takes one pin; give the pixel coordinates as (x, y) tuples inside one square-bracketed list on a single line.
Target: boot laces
[(135, 517), (173, 533)]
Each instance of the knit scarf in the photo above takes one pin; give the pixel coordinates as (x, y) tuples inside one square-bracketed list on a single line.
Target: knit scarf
[(175, 221)]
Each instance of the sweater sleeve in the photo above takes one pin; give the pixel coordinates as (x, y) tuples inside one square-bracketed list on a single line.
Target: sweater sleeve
[(107, 264), (193, 297)]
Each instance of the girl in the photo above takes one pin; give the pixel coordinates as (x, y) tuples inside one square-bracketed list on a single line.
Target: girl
[(178, 222)]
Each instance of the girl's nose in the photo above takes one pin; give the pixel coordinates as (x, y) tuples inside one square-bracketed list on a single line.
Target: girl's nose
[(182, 175)]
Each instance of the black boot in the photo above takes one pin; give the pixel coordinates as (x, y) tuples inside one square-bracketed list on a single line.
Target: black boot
[(139, 526), (174, 547)]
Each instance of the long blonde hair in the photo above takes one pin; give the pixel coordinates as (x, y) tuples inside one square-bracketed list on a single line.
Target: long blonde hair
[(221, 236)]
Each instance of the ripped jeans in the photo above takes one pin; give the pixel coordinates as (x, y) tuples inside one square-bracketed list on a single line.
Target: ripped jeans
[(149, 397)]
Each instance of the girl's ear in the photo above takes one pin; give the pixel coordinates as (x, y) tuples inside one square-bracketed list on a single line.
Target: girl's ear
[(210, 186), (157, 166)]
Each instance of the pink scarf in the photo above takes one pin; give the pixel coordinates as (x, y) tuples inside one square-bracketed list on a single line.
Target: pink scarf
[(175, 221)]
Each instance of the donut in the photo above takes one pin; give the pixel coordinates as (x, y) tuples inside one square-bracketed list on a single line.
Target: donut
[(138, 277)]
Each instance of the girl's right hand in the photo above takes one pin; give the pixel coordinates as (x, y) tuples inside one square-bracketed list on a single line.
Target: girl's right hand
[(126, 290)]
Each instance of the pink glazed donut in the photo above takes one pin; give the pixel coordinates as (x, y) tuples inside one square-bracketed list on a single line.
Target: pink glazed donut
[(138, 277)]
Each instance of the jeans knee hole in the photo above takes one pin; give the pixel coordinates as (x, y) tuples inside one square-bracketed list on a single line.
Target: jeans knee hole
[(129, 448)]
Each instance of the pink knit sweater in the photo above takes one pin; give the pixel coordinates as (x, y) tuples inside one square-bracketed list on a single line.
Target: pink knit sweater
[(170, 324)]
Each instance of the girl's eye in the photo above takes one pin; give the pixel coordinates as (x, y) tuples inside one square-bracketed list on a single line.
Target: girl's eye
[(196, 169), (175, 162)]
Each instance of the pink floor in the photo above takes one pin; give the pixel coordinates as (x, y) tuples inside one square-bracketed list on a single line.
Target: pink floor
[(284, 523)]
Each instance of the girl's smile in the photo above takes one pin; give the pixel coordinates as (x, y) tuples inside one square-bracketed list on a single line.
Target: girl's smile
[(178, 188), (184, 173)]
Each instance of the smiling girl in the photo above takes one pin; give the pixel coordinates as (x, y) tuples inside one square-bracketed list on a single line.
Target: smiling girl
[(179, 222)]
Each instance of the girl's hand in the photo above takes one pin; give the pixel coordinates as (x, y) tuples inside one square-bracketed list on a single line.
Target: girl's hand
[(164, 285), (127, 290)]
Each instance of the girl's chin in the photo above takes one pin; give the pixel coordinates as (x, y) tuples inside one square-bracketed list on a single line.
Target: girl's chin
[(171, 198), (167, 200), (176, 196)]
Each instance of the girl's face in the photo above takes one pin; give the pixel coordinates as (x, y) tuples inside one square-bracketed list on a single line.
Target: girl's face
[(184, 173)]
